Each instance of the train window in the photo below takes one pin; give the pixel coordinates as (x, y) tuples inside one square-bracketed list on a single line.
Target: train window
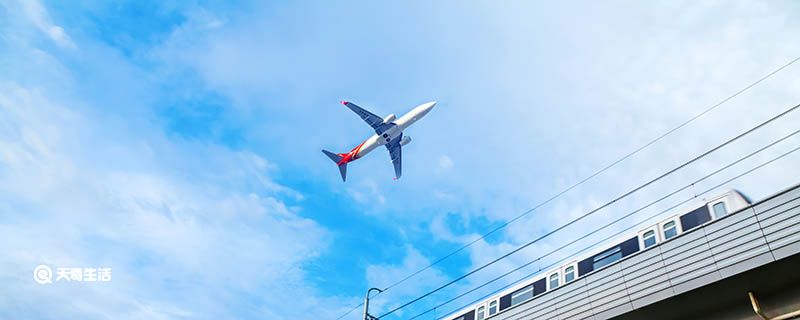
[(539, 286), (554, 281), (719, 209), (649, 238), (522, 295), (607, 257), (670, 230), (492, 307), (695, 218), (481, 313), (569, 274)]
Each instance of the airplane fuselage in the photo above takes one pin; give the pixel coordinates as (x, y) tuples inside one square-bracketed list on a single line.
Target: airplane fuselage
[(388, 133), (394, 131)]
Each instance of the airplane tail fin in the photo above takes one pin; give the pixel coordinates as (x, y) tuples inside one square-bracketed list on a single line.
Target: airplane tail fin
[(336, 158)]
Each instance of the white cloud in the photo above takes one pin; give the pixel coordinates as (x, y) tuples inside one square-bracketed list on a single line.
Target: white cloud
[(181, 245), (367, 192), (445, 163), (38, 15)]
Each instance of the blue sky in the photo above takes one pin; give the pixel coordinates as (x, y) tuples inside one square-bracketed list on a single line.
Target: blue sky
[(179, 143)]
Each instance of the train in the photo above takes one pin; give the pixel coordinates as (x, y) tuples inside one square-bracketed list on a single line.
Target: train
[(665, 228)]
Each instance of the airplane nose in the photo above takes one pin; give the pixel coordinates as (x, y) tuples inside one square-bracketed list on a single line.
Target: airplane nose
[(428, 106), (423, 109)]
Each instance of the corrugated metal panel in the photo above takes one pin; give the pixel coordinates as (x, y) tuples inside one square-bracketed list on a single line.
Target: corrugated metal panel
[(689, 262), (574, 302), (607, 293), (779, 218), (646, 278), (737, 243)]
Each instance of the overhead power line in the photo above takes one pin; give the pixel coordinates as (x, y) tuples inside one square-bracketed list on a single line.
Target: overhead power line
[(626, 194), (584, 180), (644, 220), (750, 155), (351, 311), (609, 166)]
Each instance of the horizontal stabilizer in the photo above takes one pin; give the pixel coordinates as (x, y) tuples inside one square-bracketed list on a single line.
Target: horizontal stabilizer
[(335, 157)]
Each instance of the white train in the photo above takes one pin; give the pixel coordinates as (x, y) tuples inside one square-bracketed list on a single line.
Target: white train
[(667, 227)]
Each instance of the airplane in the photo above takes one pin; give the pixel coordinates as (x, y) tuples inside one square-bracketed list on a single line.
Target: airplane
[(388, 132)]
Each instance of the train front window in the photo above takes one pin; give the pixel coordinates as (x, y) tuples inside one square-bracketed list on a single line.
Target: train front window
[(492, 307), (607, 257), (670, 230), (649, 238), (569, 274), (719, 209)]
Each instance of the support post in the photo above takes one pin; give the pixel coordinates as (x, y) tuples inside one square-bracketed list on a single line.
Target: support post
[(367, 316)]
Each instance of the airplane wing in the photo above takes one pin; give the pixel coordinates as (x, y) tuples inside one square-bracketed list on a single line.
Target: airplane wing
[(370, 118), (395, 152)]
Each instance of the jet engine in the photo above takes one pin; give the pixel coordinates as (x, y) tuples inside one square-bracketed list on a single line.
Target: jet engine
[(405, 140), (389, 118)]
